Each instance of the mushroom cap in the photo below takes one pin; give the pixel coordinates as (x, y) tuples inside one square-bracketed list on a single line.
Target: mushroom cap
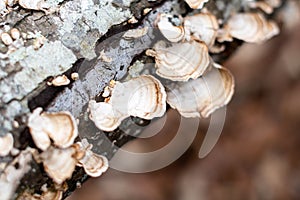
[(6, 39), (196, 4), (60, 80), (59, 163), (264, 6), (201, 97), (169, 31), (251, 27), (143, 97), (36, 127), (6, 144), (15, 33), (135, 33), (61, 127), (93, 164), (180, 61), (202, 26), (104, 116)]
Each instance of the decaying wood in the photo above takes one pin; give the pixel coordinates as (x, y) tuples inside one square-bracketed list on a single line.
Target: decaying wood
[(84, 44)]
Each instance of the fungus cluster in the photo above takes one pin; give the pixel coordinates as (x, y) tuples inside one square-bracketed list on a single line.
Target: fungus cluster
[(201, 97), (14, 40), (143, 97), (192, 83), (8, 38), (180, 61), (196, 86), (54, 134), (11, 37)]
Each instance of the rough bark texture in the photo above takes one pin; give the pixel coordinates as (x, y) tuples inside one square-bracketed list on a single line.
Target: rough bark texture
[(76, 34)]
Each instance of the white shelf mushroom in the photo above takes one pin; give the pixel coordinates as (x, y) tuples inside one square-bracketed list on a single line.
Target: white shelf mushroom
[(143, 97), (180, 61), (6, 39), (135, 33), (15, 33), (104, 116), (267, 5), (264, 6), (168, 29), (60, 81), (201, 97), (61, 127), (94, 165), (59, 163), (202, 26), (251, 27), (196, 4), (6, 144)]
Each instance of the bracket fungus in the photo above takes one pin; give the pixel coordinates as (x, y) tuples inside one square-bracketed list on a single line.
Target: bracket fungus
[(59, 163), (60, 81), (173, 33), (135, 33), (180, 61), (267, 5), (143, 97), (196, 4), (15, 33), (61, 127), (264, 6), (6, 39), (201, 97), (202, 26), (94, 165), (74, 76), (6, 144), (251, 27)]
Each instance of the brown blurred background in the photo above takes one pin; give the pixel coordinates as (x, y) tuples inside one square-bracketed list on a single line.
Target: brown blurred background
[(257, 155)]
